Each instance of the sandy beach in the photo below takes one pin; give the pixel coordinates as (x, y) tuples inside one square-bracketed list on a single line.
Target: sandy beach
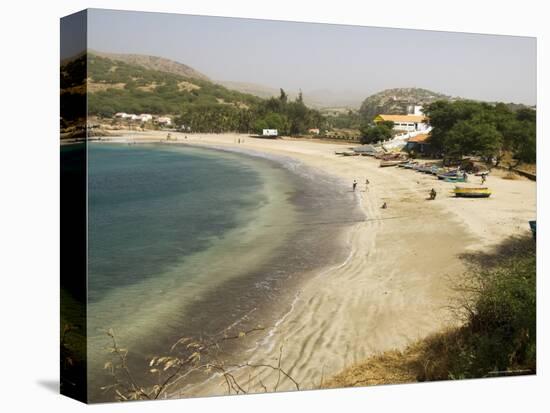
[(393, 288)]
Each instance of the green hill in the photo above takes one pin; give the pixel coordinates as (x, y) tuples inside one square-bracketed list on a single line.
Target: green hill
[(157, 87), (139, 84)]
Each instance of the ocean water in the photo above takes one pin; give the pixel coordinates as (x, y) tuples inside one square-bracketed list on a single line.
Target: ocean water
[(185, 242)]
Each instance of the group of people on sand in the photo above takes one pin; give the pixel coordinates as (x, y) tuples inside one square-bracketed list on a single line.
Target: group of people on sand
[(354, 185), (367, 182), (432, 194)]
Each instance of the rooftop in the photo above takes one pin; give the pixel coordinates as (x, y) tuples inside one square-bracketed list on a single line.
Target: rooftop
[(422, 138), (400, 118)]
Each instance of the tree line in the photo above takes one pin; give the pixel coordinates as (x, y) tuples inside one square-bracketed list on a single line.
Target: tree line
[(489, 131), (288, 117), (470, 128)]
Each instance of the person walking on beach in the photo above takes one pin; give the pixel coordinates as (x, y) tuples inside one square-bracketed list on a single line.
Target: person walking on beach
[(367, 185), (354, 185), (483, 178), (433, 194), (465, 176)]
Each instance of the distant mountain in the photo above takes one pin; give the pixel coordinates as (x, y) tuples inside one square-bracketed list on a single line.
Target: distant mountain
[(320, 99), (152, 63), (262, 91), (397, 101)]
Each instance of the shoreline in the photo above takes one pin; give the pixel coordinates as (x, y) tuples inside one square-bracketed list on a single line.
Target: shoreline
[(394, 286), (259, 285)]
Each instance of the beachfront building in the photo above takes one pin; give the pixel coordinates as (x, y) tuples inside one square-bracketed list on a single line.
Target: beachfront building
[(145, 117), (406, 123), (270, 132), (124, 115), (313, 131), (419, 143), (164, 120)]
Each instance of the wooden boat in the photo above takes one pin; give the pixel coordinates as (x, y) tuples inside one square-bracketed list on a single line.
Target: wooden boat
[(426, 169), (349, 153), (533, 226), (449, 174), (472, 192), (384, 164), (454, 179)]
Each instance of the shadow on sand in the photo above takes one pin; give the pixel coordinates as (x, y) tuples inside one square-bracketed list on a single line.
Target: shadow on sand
[(511, 247)]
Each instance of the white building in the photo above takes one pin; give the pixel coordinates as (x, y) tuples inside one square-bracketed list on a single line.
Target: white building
[(415, 110), (408, 123), (270, 132), (123, 115), (164, 120), (145, 117)]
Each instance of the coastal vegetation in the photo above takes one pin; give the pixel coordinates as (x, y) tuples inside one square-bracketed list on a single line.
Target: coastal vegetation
[(481, 129), (189, 358), (381, 132), (496, 303), (196, 102)]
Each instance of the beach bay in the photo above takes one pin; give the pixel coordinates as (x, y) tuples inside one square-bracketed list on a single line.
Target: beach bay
[(394, 286)]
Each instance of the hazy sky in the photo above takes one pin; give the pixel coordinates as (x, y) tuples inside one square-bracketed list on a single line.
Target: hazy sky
[(343, 59)]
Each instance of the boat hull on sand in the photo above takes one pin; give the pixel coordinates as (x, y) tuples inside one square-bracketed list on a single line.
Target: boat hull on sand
[(472, 192), (384, 164)]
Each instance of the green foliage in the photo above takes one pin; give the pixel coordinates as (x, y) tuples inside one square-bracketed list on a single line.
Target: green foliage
[(377, 133), (347, 120), (272, 121), (501, 330), (473, 137), (387, 123), (475, 128), (196, 103)]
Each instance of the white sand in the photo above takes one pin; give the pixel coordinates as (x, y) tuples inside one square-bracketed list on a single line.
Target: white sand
[(394, 287)]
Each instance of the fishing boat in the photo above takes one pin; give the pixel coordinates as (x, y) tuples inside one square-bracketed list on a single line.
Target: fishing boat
[(384, 164), (426, 169), (472, 192), (434, 170), (454, 179), (409, 165), (350, 153), (449, 174)]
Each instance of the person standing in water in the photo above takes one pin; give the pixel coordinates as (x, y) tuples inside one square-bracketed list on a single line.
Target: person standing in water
[(354, 185)]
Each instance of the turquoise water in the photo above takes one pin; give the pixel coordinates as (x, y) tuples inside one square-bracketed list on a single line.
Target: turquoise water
[(149, 208), (187, 242)]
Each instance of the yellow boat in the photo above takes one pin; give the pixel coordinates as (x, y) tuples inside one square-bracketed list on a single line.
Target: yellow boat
[(472, 192)]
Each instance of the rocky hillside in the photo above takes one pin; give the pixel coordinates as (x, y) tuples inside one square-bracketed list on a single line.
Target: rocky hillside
[(145, 84), (153, 63), (396, 101)]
